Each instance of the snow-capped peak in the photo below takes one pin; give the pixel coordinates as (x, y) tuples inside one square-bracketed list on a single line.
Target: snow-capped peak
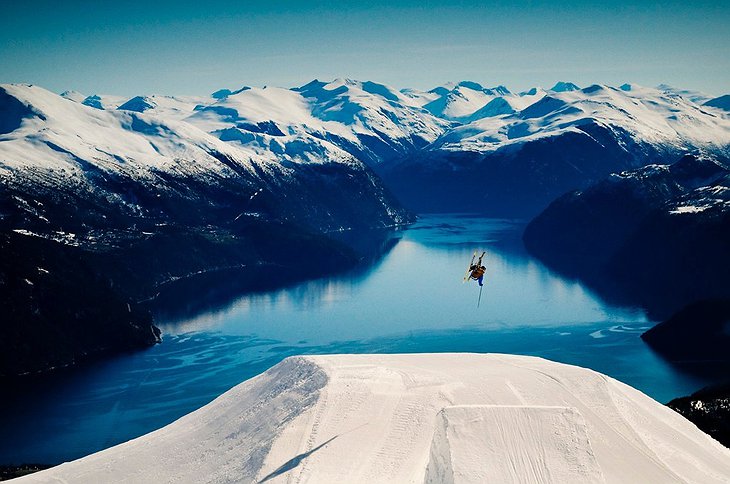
[(376, 122), (474, 86), (722, 102), (501, 90), (103, 101), (534, 91), (74, 96), (694, 96), (658, 117), (562, 86), (224, 93), (139, 104)]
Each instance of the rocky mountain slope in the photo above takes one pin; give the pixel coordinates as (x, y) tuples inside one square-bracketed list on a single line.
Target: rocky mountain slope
[(709, 409), (698, 334), (658, 235)]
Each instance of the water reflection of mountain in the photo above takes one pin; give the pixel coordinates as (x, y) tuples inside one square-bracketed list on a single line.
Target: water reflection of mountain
[(405, 295), (186, 299)]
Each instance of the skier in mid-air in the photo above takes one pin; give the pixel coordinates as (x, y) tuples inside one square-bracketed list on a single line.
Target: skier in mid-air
[(477, 270)]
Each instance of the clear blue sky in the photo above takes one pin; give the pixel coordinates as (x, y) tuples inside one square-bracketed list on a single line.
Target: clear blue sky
[(180, 47)]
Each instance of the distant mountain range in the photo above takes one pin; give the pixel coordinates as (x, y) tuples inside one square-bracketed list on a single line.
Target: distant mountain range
[(461, 146), (547, 143), (132, 193)]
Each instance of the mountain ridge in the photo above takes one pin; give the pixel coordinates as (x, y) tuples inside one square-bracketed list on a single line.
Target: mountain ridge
[(460, 133), (119, 203), (656, 235)]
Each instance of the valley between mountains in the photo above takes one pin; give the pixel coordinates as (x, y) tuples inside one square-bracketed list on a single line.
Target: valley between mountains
[(106, 201)]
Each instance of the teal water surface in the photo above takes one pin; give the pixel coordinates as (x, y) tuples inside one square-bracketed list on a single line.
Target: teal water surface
[(412, 299)]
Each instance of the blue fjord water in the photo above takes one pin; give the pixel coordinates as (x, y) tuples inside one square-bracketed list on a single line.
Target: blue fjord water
[(412, 299)]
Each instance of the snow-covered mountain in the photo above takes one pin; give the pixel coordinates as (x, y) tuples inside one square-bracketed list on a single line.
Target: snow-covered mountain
[(136, 157), (696, 97), (512, 159), (648, 116), (74, 168), (102, 101), (463, 142), (461, 101), (74, 96), (167, 107), (494, 150), (368, 120), (722, 102), (120, 201), (562, 86), (429, 418)]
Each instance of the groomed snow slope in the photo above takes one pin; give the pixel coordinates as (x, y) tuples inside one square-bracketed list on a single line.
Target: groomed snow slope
[(486, 443), (417, 418)]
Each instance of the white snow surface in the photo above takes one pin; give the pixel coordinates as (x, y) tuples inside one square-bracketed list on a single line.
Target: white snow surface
[(59, 140), (343, 110), (171, 107), (648, 115), (75, 96), (60, 143), (486, 443), (377, 123), (462, 102), (416, 418), (103, 101)]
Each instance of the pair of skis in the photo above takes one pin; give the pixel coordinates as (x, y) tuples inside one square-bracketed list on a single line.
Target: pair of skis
[(467, 276)]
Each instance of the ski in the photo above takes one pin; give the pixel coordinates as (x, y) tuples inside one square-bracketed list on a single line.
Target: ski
[(468, 269)]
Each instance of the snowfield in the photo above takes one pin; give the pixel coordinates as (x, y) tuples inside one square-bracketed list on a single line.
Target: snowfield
[(379, 124), (649, 115), (337, 120), (134, 159), (417, 418)]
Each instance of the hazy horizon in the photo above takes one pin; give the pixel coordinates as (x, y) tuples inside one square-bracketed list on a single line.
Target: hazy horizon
[(180, 48)]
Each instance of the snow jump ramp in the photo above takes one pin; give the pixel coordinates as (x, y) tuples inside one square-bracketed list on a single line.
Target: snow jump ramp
[(478, 443), (416, 418)]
